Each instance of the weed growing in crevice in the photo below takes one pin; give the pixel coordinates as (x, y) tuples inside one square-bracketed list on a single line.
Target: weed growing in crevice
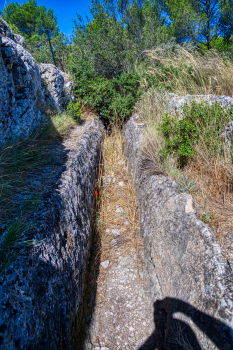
[(206, 217), (74, 110)]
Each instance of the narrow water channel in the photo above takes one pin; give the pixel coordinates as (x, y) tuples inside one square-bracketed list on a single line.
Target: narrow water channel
[(123, 313)]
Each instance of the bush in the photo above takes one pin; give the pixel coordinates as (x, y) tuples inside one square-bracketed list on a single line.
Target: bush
[(74, 110), (110, 98), (202, 126)]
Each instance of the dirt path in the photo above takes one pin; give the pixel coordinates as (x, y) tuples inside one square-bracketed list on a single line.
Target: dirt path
[(123, 316)]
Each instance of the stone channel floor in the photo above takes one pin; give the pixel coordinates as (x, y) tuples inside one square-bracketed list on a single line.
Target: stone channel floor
[(123, 314)]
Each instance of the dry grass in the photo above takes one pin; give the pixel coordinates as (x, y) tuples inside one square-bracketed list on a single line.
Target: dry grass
[(117, 209), (26, 156), (214, 200), (187, 72), (152, 107), (118, 203)]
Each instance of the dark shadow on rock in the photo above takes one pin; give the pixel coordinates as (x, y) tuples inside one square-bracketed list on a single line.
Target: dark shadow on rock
[(171, 333)]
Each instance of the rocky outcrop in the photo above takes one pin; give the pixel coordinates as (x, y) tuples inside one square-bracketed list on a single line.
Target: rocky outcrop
[(20, 40), (41, 292), (26, 91), (57, 87), (21, 96), (175, 103), (188, 273)]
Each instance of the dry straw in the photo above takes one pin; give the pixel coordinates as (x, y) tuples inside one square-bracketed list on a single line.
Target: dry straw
[(189, 72)]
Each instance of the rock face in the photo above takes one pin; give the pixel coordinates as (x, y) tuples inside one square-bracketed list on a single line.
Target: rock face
[(21, 96), (26, 91), (175, 103), (191, 281), (41, 292), (57, 87), (20, 40)]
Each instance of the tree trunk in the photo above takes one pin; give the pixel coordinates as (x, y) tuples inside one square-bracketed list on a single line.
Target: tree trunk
[(208, 23)]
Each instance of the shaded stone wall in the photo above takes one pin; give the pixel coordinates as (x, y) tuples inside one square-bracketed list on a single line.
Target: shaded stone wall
[(184, 261), (41, 292)]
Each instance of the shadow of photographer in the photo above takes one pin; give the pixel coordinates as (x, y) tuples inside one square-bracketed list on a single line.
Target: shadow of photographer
[(173, 333)]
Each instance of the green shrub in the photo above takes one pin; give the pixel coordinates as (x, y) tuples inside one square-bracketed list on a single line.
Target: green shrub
[(202, 125), (74, 110), (110, 98)]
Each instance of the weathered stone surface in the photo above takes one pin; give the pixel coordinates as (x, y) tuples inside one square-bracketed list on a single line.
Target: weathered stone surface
[(175, 103), (21, 96), (5, 30), (26, 91), (57, 87), (20, 40), (186, 267), (41, 292)]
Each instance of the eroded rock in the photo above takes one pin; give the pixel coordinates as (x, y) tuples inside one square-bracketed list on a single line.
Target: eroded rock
[(26, 91), (21, 96), (57, 87)]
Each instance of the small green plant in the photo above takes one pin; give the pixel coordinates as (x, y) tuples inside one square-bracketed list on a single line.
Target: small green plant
[(74, 110), (206, 217), (11, 245), (184, 184), (201, 124), (14, 241)]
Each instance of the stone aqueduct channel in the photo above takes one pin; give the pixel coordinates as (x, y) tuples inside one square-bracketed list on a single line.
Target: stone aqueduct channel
[(131, 268)]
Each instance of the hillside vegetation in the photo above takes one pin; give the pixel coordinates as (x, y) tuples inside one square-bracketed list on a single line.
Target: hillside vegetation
[(109, 55)]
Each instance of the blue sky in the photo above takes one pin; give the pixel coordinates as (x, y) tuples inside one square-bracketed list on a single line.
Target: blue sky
[(64, 10)]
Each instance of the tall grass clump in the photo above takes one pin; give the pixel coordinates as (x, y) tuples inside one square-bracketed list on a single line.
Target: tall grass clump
[(182, 71)]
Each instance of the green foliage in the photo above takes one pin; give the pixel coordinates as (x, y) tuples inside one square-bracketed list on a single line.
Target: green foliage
[(30, 19), (109, 97), (201, 123), (14, 29), (108, 49), (74, 110), (200, 21), (118, 34), (206, 217), (35, 23)]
